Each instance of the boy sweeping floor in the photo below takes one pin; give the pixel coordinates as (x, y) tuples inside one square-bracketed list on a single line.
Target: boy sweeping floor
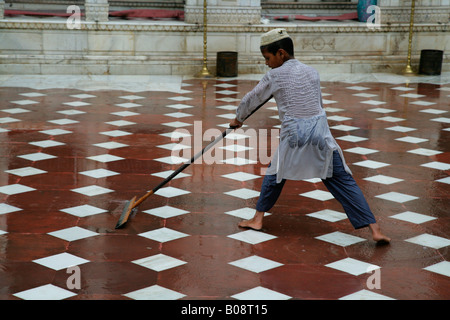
[(307, 149)]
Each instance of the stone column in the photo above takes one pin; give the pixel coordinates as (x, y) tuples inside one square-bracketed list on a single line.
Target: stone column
[(426, 11), (224, 11), (96, 10), (2, 9)]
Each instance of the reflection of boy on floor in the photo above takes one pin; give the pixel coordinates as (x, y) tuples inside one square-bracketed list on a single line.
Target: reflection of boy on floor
[(307, 149)]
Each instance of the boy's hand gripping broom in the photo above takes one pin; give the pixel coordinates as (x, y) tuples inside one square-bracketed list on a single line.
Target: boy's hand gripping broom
[(131, 206)]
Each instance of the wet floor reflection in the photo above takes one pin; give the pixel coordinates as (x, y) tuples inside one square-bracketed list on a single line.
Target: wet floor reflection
[(70, 159)]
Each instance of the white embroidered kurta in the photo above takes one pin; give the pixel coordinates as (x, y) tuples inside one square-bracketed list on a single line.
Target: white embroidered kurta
[(306, 144)]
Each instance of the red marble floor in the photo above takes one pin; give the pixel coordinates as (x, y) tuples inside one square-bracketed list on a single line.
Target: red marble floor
[(70, 159)]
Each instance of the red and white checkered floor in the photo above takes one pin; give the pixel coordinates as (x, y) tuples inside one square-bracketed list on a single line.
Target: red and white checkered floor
[(73, 154)]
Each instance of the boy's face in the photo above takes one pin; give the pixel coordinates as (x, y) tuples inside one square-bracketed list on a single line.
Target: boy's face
[(273, 60)]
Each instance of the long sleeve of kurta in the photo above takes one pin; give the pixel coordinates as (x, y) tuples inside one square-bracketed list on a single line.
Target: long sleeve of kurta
[(261, 93)]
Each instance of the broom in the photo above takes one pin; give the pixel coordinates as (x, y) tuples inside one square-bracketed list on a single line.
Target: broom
[(131, 206)]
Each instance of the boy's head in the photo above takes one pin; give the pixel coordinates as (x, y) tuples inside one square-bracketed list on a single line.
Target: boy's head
[(276, 47)]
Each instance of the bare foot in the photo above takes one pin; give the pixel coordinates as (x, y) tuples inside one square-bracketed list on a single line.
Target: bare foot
[(255, 223), (377, 235)]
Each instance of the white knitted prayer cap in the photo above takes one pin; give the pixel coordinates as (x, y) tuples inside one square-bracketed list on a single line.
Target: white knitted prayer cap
[(273, 36)]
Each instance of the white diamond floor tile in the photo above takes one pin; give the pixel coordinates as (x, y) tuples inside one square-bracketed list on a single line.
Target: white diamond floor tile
[(358, 88), (24, 102), (73, 233), (444, 180), (45, 292), (441, 119), (47, 143), (92, 190), (32, 94), (373, 102), (172, 160), (340, 238), (433, 111), (360, 150), (15, 110), (61, 261), (55, 132), (318, 195), (243, 193), (125, 113), (105, 158), (159, 262), (412, 139), (381, 110), (391, 119), (437, 165), (352, 266), (252, 236), (180, 106), (328, 215), (116, 133), (235, 148), (180, 98), (343, 127), (110, 145), (428, 240), (413, 217), (165, 174), (442, 268), (154, 292), (256, 264), (99, 173), (120, 123), (26, 171), (163, 235), (260, 293), (177, 124), (401, 129), (366, 295), (371, 164), (174, 146), (84, 210), (71, 112), (170, 192), (8, 120), (15, 189), (382, 179), (238, 161), (166, 212), (423, 103), (396, 197), (63, 121), (129, 105), (178, 115), (77, 104), (241, 176), (244, 213), (351, 138), (132, 97), (82, 96), (6, 208), (424, 152), (38, 156)]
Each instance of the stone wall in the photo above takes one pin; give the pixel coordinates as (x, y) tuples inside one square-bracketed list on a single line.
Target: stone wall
[(48, 46)]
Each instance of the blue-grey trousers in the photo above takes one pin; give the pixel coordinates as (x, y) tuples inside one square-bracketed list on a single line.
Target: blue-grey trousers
[(341, 185)]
